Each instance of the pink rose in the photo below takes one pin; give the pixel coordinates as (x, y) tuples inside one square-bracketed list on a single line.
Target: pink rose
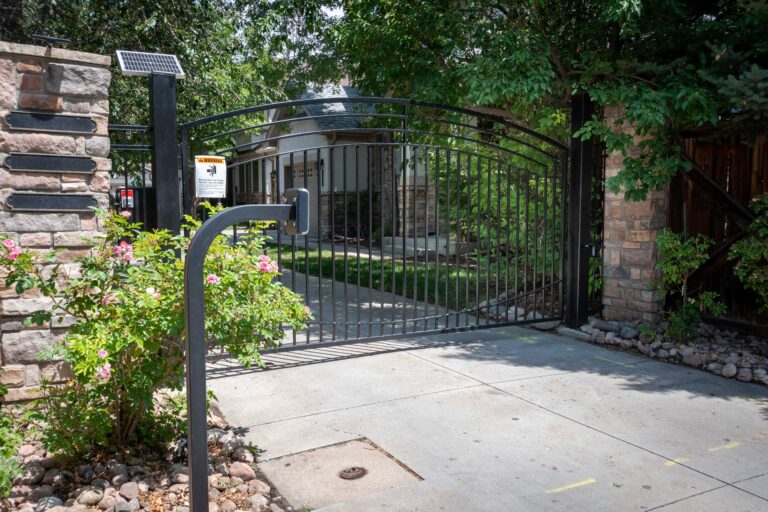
[(213, 279), (103, 372), (9, 244), (126, 213), (123, 251), (15, 252), (102, 354), (307, 310)]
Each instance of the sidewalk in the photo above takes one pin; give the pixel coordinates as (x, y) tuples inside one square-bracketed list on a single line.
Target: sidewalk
[(506, 419)]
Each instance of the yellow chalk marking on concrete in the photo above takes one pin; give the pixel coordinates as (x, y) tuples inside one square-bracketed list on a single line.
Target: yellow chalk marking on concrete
[(674, 462), (614, 362), (568, 487), (529, 341), (569, 349), (728, 446)]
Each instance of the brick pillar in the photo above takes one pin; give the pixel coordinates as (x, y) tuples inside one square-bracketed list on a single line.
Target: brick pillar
[(61, 82), (630, 253)]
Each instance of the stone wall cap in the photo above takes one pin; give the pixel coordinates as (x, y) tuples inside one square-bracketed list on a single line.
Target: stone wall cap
[(58, 54)]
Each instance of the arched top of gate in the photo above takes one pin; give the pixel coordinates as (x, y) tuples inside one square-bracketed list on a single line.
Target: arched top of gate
[(371, 100)]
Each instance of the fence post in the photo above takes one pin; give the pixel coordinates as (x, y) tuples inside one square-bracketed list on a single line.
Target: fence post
[(165, 158), (580, 183)]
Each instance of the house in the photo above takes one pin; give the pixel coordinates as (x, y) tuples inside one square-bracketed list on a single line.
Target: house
[(355, 172)]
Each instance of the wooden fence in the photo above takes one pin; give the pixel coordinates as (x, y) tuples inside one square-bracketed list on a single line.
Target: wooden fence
[(712, 199)]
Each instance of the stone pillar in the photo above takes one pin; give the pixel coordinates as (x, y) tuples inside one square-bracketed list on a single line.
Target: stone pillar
[(630, 254), (60, 82)]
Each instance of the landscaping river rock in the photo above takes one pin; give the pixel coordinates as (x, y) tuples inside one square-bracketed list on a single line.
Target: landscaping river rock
[(719, 351), (135, 482)]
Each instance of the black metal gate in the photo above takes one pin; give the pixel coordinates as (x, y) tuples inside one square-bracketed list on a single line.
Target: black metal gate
[(424, 217)]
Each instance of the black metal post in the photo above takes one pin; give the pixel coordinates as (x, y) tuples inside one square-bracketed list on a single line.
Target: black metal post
[(295, 214), (580, 185), (165, 158)]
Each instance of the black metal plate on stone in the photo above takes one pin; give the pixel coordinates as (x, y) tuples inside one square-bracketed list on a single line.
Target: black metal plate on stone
[(41, 122), (49, 163), (50, 203)]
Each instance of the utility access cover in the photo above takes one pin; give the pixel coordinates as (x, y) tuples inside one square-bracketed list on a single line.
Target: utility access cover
[(336, 474)]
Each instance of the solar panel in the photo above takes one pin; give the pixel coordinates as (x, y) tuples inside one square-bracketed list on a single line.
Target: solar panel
[(144, 64)]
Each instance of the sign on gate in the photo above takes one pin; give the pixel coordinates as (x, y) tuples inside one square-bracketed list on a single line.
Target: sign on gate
[(210, 177)]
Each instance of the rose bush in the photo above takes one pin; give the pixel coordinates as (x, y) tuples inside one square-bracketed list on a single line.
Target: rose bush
[(124, 307)]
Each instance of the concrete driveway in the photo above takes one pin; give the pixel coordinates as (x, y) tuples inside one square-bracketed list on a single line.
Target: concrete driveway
[(506, 419)]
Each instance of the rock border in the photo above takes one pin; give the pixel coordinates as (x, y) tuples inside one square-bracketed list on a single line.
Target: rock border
[(133, 482), (719, 351)]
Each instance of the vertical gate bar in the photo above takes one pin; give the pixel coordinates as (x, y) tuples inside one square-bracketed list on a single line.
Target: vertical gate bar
[(306, 237), (405, 161), (346, 232), (458, 229), (426, 239), (141, 210), (555, 244), (527, 240), (395, 232), (332, 185), (264, 190), (582, 152), (497, 221), (125, 180), (320, 176), (279, 199), (437, 236), (234, 203), (535, 244), (487, 267), (468, 229), (415, 158), (508, 246), (563, 206), (478, 251), (186, 200), (447, 278), (293, 241), (142, 162), (358, 224), (518, 174), (545, 253), (382, 187), (369, 163)]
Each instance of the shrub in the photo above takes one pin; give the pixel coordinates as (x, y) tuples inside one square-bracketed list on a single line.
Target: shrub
[(10, 439), (679, 257), (126, 344), (751, 253)]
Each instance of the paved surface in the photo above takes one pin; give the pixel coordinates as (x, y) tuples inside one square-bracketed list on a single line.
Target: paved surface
[(510, 419), (349, 311)]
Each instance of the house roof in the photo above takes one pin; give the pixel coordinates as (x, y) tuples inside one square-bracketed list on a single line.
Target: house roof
[(325, 109)]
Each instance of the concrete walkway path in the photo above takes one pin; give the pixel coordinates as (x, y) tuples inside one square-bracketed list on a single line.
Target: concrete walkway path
[(507, 419)]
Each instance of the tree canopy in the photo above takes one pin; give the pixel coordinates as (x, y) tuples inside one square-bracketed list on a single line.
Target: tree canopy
[(221, 45), (672, 64)]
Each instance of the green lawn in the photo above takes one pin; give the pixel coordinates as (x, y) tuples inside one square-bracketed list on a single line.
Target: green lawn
[(457, 286)]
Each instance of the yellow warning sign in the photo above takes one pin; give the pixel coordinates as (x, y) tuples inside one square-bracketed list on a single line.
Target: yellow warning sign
[(209, 159)]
